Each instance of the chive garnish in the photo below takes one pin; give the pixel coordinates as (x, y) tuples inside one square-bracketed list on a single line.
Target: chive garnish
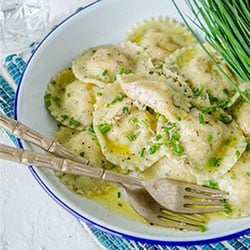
[(212, 184), (74, 122), (131, 137), (237, 154), (177, 149), (142, 153), (154, 148), (117, 98), (121, 70), (47, 100), (125, 109), (213, 162), (201, 119), (105, 72), (91, 130), (209, 138), (104, 128), (82, 154), (64, 117)]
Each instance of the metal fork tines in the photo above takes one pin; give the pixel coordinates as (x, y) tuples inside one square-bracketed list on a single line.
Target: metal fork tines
[(155, 214), (192, 198)]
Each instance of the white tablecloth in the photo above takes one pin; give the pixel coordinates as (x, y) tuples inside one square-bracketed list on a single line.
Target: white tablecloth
[(29, 218)]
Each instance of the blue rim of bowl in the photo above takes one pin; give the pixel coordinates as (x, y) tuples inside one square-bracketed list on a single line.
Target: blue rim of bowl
[(78, 215)]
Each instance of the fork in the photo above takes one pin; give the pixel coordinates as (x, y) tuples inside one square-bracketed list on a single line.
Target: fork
[(173, 195), (140, 200)]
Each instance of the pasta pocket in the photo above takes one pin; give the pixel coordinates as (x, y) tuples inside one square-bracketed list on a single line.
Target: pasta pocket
[(71, 101), (99, 65), (159, 93), (86, 145), (159, 37), (203, 76), (127, 135), (237, 183), (241, 114), (206, 147)]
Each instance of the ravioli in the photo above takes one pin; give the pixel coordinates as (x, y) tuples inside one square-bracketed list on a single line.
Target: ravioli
[(71, 101), (159, 93), (154, 106), (201, 74), (237, 183), (99, 65), (127, 135), (143, 63), (86, 145), (241, 114), (159, 37), (209, 145)]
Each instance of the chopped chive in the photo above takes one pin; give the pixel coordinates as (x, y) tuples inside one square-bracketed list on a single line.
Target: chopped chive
[(201, 119), (142, 153), (134, 120), (82, 154), (208, 110), (226, 91), (53, 82), (248, 147), (209, 138), (68, 95), (176, 136), (47, 100), (197, 91), (154, 148), (131, 137), (125, 109), (91, 130), (213, 162), (212, 184), (203, 228), (168, 127), (237, 154), (225, 119), (99, 93), (228, 208), (121, 70), (56, 99), (104, 128), (118, 98), (74, 122), (64, 117), (118, 194), (158, 137), (177, 149), (248, 173), (223, 104), (105, 72), (144, 123)]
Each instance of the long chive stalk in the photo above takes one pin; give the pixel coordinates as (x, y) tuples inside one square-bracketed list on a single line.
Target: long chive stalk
[(226, 26)]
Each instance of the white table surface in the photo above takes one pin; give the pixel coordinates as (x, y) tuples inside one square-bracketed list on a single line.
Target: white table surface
[(29, 218)]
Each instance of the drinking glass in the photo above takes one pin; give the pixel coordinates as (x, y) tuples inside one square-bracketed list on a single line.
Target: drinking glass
[(22, 22)]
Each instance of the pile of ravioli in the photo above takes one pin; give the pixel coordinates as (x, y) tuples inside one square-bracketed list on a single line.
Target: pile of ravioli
[(154, 106)]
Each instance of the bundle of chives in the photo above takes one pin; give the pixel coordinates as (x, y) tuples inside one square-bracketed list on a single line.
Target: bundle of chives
[(226, 26)]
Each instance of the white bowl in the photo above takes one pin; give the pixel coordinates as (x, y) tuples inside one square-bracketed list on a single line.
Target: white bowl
[(102, 22)]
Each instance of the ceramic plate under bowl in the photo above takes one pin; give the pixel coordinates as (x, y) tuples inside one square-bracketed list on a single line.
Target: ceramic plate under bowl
[(103, 22)]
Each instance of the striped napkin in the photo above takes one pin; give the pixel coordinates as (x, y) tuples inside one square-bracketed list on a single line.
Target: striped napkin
[(13, 68)]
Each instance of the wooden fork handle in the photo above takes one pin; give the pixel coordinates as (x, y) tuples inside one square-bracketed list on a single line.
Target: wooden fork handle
[(28, 157), (48, 144)]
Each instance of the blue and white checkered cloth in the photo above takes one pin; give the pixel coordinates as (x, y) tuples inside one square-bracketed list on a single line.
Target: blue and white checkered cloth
[(14, 66)]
